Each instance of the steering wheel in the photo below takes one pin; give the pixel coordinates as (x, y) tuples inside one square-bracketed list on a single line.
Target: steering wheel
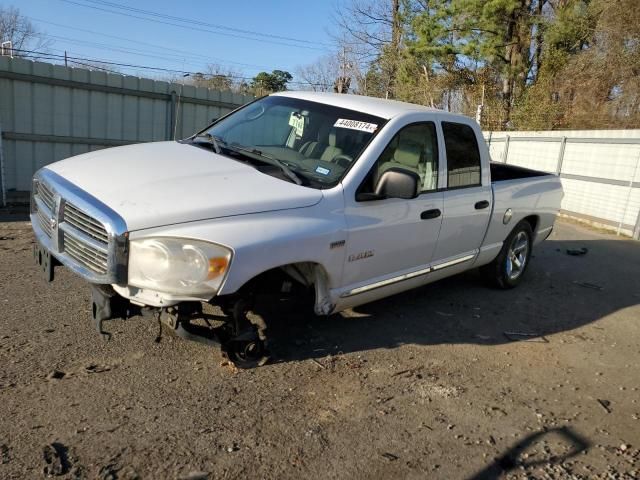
[(343, 160)]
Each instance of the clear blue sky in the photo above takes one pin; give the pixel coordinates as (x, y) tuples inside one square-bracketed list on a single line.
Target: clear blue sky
[(97, 33)]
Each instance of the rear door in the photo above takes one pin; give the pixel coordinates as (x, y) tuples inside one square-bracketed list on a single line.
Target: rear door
[(467, 195)]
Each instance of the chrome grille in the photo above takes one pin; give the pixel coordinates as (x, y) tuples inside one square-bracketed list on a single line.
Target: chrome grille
[(85, 223), (46, 195), (83, 253), (45, 222), (80, 231)]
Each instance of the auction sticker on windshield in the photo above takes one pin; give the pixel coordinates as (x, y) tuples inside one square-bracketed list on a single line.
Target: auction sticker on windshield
[(355, 125)]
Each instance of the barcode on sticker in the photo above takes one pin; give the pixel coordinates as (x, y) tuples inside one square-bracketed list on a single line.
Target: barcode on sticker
[(355, 125)]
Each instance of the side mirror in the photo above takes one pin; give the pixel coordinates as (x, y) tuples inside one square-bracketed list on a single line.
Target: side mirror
[(398, 183)]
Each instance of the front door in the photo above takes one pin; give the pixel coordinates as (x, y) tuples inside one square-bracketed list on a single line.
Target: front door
[(390, 238)]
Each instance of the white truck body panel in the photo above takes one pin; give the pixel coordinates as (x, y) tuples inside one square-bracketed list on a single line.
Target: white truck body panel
[(172, 189), (162, 183)]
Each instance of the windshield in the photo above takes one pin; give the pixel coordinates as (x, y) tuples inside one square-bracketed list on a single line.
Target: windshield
[(315, 142)]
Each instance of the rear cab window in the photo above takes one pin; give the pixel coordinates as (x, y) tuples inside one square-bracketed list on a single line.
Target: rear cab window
[(463, 155)]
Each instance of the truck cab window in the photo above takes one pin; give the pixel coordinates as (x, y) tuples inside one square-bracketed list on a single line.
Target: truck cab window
[(463, 156), (415, 149)]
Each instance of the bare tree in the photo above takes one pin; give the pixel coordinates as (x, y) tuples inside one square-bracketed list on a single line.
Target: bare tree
[(217, 77), (374, 32), (320, 75), (25, 38)]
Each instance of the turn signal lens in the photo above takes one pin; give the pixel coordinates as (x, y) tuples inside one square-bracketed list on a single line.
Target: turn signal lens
[(217, 267)]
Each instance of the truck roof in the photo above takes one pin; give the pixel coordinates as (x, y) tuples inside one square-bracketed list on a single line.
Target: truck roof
[(373, 106)]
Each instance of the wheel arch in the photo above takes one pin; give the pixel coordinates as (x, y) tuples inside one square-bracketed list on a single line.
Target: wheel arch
[(307, 273), (533, 220)]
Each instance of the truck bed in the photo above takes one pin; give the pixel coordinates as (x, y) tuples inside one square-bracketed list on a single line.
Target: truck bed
[(501, 172)]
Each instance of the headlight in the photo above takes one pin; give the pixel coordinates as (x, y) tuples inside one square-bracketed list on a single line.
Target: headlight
[(178, 265)]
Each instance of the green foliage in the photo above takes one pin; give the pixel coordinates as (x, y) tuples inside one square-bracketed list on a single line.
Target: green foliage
[(533, 64), (276, 81)]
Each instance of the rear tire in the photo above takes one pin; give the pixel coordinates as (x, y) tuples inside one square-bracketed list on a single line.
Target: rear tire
[(508, 268)]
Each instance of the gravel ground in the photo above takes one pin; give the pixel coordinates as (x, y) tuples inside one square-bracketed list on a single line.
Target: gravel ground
[(421, 385)]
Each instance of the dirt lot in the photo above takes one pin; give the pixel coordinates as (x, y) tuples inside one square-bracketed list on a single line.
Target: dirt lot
[(421, 385)]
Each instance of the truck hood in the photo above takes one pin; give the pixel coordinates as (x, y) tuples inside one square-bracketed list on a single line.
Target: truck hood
[(163, 183)]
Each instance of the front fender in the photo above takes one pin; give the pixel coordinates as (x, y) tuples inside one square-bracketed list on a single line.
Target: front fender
[(263, 241)]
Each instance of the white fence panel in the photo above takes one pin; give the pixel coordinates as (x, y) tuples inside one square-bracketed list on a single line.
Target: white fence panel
[(599, 170)]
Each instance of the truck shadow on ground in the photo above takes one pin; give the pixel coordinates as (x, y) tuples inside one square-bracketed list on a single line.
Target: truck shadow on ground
[(572, 444), (560, 293)]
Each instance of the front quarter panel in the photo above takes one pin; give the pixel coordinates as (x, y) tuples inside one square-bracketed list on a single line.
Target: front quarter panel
[(264, 241)]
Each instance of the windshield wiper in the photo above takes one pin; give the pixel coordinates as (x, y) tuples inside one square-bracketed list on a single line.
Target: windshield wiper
[(273, 160), (212, 140)]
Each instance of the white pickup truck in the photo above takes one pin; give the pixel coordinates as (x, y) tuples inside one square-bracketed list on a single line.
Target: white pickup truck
[(347, 197)]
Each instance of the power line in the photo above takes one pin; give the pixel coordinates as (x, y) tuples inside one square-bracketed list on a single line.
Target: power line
[(190, 27), (38, 54), (199, 22), (170, 57), (180, 52)]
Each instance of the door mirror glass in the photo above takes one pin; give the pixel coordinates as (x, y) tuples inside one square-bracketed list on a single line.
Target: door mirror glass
[(398, 183)]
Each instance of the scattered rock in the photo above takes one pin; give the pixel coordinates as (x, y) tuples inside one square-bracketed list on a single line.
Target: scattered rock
[(55, 459), (194, 476), (577, 252), (390, 456), (55, 375), (95, 368), (4, 454), (624, 447), (233, 448)]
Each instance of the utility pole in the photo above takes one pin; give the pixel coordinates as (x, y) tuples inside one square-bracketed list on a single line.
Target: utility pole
[(480, 109), (342, 82), (65, 59)]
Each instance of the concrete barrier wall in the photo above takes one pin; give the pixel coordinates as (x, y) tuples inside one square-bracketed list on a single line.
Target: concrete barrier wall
[(50, 112), (599, 169)]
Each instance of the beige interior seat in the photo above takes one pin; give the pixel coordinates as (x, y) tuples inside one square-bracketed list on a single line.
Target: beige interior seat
[(406, 156), (330, 149), (324, 147)]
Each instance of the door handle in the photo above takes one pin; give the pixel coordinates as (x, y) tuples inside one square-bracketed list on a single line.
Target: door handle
[(428, 214), (482, 204)]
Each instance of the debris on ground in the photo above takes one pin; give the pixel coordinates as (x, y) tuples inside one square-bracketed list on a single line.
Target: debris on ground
[(195, 476), (577, 252), (390, 456), (482, 337), (95, 368), (605, 404), (408, 372), (55, 375), (320, 364), (525, 337), (4, 454), (55, 459), (589, 285)]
